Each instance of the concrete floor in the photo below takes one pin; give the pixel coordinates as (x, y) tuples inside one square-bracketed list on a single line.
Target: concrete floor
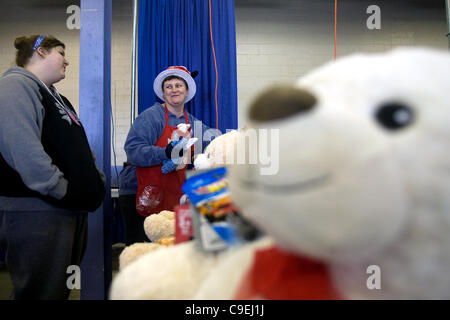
[(6, 284)]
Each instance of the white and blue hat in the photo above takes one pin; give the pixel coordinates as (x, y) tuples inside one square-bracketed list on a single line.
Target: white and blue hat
[(179, 71)]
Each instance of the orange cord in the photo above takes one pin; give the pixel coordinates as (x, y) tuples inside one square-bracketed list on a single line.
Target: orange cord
[(335, 28), (215, 65)]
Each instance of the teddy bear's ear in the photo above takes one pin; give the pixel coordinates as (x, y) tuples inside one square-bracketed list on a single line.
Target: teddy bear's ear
[(279, 102)]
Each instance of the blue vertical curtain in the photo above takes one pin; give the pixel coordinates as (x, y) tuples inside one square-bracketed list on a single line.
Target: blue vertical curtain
[(177, 32)]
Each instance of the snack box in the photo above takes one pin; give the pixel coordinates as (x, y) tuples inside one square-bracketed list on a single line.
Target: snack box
[(218, 224)]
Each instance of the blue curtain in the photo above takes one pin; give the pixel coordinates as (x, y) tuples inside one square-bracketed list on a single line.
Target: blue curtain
[(177, 32)]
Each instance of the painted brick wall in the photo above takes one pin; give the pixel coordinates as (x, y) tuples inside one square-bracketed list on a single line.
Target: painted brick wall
[(121, 47), (278, 41)]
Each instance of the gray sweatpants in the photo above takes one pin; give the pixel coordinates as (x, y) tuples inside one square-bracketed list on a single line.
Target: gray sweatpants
[(40, 246)]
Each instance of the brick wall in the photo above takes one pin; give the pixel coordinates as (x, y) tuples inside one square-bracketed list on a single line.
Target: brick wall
[(121, 51), (282, 40)]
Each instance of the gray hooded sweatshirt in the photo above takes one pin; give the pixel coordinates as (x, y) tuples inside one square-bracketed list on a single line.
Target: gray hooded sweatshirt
[(21, 120)]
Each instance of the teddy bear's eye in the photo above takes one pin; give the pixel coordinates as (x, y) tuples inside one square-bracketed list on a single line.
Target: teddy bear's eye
[(394, 116)]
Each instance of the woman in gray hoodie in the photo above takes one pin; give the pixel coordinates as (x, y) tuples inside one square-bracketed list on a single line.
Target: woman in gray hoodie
[(49, 179)]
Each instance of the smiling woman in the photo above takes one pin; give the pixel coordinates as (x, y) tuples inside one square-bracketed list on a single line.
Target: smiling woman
[(49, 176), (175, 93), (151, 164)]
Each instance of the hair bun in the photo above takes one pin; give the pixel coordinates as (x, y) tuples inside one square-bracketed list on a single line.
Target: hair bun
[(20, 42)]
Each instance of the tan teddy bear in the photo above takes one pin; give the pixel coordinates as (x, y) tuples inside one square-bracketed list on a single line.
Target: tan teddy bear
[(159, 228)]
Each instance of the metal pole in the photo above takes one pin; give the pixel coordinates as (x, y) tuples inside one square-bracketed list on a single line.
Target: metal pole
[(133, 62), (447, 6)]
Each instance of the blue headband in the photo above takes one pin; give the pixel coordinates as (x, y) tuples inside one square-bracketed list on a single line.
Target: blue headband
[(38, 42)]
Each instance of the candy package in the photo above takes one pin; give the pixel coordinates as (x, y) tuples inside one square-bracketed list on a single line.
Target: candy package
[(218, 224)]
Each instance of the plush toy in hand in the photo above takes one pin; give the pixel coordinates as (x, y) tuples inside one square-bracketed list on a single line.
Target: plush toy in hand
[(180, 143), (180, 134), (159, 228), (182, 131), (360, 210)]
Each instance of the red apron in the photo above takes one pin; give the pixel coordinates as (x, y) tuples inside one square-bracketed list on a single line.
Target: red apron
[(158, 191)]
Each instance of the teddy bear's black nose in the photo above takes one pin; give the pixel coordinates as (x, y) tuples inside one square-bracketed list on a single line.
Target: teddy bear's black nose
[(279, 102)]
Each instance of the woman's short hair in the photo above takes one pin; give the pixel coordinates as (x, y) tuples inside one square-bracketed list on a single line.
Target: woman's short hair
[(171, 78)]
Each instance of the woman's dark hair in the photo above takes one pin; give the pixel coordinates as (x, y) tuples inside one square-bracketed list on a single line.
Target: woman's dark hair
[(173, 77), (24, 46)]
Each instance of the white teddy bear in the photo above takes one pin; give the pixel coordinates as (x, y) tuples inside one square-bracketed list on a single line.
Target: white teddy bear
[(364, 179), (220, 152), (361, 200)]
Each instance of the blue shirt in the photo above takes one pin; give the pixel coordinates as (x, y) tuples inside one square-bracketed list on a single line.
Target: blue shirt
[(145, 131)]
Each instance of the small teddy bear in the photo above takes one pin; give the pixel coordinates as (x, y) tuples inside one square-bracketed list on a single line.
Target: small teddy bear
[(159, 228)]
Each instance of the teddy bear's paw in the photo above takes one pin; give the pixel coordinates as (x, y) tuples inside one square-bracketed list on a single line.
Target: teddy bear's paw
[(166, 241)]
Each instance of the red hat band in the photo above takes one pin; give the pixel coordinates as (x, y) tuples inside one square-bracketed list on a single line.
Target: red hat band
[(179, 68)]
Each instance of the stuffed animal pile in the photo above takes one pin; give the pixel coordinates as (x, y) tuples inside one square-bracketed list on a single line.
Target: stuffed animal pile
[(360, 205)]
